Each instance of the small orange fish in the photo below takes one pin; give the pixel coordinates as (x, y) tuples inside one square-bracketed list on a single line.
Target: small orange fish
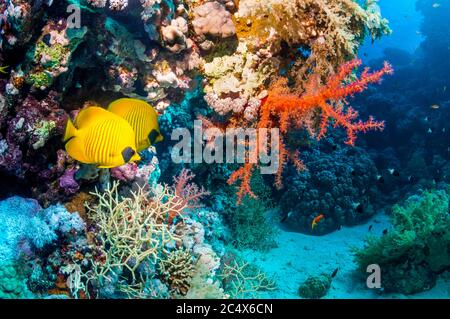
[(316, 220)]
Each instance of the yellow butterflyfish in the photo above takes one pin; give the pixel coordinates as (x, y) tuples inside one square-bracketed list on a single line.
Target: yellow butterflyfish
[(100, 137), (142, 118)]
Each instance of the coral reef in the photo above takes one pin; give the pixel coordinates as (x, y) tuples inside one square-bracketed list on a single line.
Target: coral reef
[(145, 245), (28, 236), (222, 41), (153, 229), (251, 225), (416, 249)]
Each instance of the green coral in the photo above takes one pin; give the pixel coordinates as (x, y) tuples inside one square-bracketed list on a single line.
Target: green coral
[(315, 287), (416, 249), (12, 285), (51, 60), (54, 54), (40, 79), (42, 131)]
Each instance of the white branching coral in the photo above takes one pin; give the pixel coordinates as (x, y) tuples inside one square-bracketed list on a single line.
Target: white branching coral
[(117, 5), (244, 280), (129, 232)]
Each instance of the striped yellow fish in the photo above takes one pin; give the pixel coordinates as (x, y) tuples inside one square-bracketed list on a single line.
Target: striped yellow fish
[(100, 137), (142, 118)]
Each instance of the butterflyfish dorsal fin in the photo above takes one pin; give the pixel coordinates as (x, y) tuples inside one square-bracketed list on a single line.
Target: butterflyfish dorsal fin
[(91, 115)]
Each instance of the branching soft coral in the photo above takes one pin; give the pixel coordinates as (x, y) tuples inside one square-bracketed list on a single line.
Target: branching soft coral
[(290, 110)]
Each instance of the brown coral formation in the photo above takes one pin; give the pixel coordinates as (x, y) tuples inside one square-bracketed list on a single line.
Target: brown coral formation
[(78, 204)]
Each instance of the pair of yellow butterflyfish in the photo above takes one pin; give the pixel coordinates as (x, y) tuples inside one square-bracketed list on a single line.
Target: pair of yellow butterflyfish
[(112, 137)]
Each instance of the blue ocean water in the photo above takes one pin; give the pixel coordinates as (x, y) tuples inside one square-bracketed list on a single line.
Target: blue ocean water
[(405, 21)]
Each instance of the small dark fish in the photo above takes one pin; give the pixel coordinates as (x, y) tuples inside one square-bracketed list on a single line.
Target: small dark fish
[(353, 172), (394, 172), (335, 272), (339, 227), (411, 179), (430, 131), (380, 179), (370, 227), (385, 231)]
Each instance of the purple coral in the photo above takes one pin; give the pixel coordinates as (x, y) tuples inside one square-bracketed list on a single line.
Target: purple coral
[(67, 181), (125, 172)]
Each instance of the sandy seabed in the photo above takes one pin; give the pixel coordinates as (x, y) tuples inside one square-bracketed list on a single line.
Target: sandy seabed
[(298, 256)]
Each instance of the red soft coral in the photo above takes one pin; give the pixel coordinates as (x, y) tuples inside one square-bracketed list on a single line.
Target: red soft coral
[(289, 111)]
